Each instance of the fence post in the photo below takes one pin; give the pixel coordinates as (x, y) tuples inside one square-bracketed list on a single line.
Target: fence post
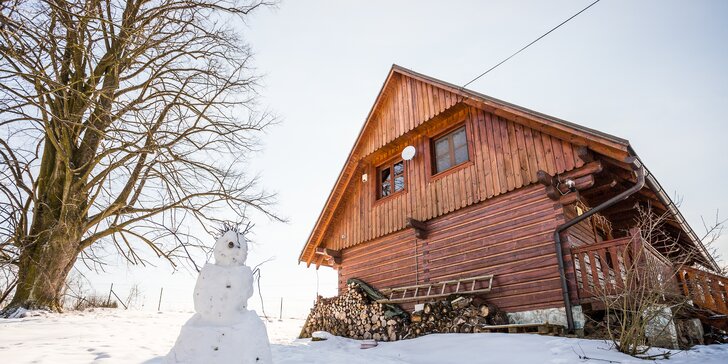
[(280, 315), (108, 300)]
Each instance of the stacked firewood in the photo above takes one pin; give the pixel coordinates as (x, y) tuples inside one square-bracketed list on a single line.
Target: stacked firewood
[(459, 315), (353, 315)]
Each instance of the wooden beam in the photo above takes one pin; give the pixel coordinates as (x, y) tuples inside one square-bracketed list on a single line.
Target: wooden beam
[(601, 188), (329, 254), (419, 226), (583, 179), (553, 193), (589, 168), (569, 198), (584, 154), (585, 182), (544, 178), (621, 207)]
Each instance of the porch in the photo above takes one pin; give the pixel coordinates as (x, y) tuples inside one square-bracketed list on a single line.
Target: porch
[(628, 265)]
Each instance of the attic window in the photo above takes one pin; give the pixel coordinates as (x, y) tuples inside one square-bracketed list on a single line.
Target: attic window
[(390, 178), (450, 150)]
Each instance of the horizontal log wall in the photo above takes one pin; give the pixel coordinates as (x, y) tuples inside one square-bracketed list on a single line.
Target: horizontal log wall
[(509, 236)]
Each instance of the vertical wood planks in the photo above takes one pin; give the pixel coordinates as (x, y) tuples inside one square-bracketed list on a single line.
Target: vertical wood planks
[(504, 156)]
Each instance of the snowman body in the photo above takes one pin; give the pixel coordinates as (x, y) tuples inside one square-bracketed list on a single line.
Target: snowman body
[(217, 305), (223, 330)]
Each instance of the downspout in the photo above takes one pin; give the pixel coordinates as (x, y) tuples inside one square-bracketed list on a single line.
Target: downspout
[(640, 172)]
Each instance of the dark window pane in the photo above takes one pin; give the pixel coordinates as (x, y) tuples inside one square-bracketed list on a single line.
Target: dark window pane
[(461, 154), (385, 179), (385, 175), (398, 183), (385, 189)]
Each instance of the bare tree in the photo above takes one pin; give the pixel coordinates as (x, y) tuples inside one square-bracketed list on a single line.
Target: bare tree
[(119, 121)]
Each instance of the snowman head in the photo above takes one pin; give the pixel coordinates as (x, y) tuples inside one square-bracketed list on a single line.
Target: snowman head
[(231, 248)]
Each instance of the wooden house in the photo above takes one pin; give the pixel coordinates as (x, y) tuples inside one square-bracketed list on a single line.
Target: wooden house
[(494, 189)]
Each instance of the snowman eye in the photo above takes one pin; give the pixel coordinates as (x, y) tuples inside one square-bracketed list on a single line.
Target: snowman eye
[(230, 244)]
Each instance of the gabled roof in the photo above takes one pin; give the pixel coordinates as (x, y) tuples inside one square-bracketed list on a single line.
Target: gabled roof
[(605, 144)]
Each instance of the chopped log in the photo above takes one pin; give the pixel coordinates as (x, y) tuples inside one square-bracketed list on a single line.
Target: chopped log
[(353, 315), (486, 310), (465, 329), (428, 308)]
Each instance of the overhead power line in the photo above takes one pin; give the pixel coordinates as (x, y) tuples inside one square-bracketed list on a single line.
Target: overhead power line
[(530, 44)]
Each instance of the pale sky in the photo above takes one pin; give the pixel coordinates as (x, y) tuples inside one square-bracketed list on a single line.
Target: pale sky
[(653, 72)]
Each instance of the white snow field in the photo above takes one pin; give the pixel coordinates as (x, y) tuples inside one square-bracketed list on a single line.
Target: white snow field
[(118, 336)]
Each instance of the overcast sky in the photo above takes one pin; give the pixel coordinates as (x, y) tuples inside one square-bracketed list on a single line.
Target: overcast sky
[(652, 72)]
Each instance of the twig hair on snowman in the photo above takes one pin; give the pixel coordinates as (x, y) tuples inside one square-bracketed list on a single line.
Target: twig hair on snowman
[(231, 248)]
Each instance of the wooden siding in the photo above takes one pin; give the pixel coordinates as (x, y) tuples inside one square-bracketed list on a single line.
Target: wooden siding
[(407, 107), (509, 236), (405, 104), (504, 156)]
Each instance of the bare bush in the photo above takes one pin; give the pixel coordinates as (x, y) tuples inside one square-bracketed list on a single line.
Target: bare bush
[(78, 296), (638, 287)]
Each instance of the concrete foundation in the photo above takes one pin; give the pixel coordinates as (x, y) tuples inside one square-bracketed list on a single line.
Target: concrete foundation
[(548, 315)]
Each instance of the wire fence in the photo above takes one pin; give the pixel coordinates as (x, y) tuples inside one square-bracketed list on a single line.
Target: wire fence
[(179, 299)]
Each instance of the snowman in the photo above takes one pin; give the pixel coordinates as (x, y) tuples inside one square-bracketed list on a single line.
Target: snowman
[(223, 330)]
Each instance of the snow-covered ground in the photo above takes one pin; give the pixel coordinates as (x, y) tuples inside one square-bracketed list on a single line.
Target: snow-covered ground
[(117, 336)]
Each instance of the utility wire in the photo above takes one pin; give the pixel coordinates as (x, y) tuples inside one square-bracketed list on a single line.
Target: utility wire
[(530, 44)]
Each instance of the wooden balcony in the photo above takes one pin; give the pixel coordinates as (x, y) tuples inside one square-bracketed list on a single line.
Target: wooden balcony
[(707, 290), (606, 268), (616, 266)]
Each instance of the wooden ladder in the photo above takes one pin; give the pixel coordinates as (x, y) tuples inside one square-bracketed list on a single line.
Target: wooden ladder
[(421, 292)]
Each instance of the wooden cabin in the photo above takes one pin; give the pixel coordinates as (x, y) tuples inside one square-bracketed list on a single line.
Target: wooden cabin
[(489, 184)]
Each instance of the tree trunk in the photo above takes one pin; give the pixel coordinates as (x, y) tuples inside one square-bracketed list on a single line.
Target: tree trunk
[(42, 274), (50, 250)]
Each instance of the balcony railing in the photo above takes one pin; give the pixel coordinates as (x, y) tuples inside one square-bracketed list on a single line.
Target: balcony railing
[(707, 290), (607, 268)]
